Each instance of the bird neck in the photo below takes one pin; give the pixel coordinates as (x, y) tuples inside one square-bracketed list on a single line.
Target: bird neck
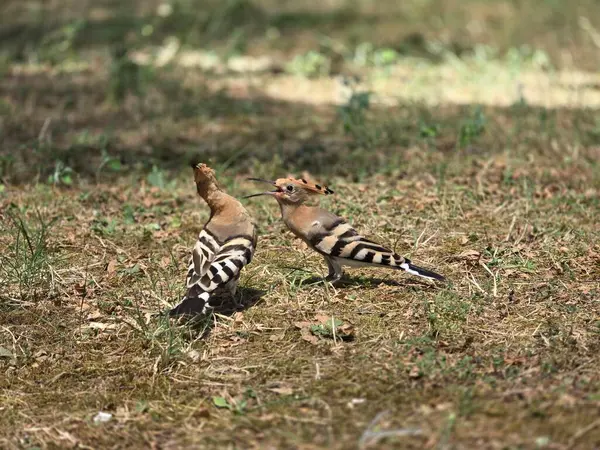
[(216, 199), (291, 210)]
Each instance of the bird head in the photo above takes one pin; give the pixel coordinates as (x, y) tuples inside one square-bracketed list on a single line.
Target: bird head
[(292, 190)]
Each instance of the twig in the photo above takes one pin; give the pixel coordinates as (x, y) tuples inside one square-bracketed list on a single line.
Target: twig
[(581, 432), (493, 277), (512, 225), (476, 284), (44, 129), (333, 330), (429, 238), (419, 238)]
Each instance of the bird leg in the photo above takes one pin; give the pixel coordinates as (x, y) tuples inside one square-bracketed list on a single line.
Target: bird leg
[(335, 270), (232, 288)]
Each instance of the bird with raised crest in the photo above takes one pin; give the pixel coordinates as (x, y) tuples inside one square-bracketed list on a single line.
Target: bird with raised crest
[(330, 235), (224, 246)]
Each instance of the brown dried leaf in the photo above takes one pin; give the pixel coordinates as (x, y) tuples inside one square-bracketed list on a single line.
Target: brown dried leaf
[(102, 326), (282, 390), (414, 372), (277, 337), (322, 318), (165, 261), (94, 315), (111, 267), (308, 336), (469, 254), (346, 331)]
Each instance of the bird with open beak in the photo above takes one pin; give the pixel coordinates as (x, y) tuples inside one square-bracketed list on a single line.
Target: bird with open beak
[(330, 235)]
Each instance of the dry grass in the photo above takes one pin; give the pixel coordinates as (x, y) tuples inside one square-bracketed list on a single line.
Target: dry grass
[(506, 354), (98, 214)]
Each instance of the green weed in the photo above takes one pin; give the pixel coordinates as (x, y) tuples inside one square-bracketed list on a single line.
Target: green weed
[(310, 64), (446, 314), (26, 265)]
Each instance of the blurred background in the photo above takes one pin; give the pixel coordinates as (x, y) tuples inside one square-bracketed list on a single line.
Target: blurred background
[(93, 89)]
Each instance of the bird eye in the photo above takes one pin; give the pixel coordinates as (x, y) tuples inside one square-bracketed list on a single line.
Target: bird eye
[(290, 188)]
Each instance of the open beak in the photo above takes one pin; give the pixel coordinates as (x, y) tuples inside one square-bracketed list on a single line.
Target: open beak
[(263, 193)]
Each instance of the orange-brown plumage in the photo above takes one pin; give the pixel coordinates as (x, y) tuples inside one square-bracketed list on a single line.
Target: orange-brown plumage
[(224, 246), (330, 235), (310, 188)]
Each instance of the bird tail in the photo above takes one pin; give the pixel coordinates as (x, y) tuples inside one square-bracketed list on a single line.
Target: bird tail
[(419, 271), (192, 306)]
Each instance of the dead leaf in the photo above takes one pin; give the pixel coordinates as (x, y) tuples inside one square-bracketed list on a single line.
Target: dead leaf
[(469, 254), (346, 331), (322, 318), (111, 267), (308, 336), (102, 326), (194, 355), (94, 315), (282, 390), (414, 372), (277, 337), (304, 328)]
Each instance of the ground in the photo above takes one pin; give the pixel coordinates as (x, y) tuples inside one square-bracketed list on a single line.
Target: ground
[(470, 144)]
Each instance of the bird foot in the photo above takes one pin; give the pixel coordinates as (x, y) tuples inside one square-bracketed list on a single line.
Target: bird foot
[(333, 277)]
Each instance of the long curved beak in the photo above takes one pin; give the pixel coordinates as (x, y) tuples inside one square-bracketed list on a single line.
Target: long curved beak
[(263, 193)]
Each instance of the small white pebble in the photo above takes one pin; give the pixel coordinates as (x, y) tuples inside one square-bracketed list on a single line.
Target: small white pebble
[(356, 401), (102, 417)]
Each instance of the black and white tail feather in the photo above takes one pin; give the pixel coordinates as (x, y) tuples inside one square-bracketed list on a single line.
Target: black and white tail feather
[(214, 271), (340, 244)]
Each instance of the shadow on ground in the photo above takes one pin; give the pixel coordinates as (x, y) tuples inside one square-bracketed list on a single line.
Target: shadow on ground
[(64, 120), (361, 281), (244, 299)]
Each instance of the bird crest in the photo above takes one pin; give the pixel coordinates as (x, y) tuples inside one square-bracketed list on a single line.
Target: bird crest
[(301, 183), (290, 187)]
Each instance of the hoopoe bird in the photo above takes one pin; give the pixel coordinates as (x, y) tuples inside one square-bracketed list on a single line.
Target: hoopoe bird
[(331, 236), (224, 246)]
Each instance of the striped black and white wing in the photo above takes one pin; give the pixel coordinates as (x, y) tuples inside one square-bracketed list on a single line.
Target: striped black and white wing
[(338, 240), (214, 267), (229, 260), (202, 257)]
